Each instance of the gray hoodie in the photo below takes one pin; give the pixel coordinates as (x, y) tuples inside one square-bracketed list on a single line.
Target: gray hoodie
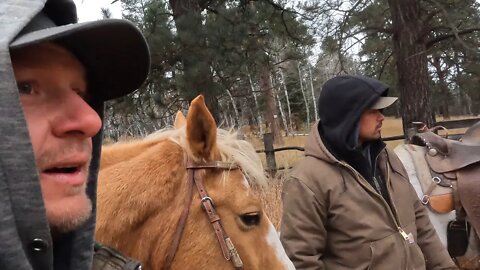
[(25, 239)]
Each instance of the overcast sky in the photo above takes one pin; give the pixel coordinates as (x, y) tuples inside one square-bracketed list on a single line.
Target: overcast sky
[(89, 10)]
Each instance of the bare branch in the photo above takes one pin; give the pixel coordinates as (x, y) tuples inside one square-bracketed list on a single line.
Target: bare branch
[(455, 34), (384, 65)]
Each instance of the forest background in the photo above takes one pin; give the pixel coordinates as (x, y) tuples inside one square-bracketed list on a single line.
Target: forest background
[(261, 64)]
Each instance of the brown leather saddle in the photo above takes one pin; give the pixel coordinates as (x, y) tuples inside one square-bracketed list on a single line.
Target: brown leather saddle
[(454, 164)]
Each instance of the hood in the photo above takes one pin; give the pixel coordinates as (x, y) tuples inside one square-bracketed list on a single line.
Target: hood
[(25, 239), (341, 103), (315, 147)]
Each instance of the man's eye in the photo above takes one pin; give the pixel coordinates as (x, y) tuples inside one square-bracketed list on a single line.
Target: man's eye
[(25, 88), (80, 92)]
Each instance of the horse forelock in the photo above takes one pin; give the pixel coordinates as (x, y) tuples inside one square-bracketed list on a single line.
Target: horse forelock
[(230, 147)]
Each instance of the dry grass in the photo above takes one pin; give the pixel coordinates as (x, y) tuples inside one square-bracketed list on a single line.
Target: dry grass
[(272, 201)]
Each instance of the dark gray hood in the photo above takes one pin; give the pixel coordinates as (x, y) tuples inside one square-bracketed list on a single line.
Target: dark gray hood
[(342, 101), (341, 104), (25, 240)]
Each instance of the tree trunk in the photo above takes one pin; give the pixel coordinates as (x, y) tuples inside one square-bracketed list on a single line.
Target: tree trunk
[(235, 110), (197, 74), (300, 79), (271, 113), (259, 115), (314, 99), (280, 108), (411, 60), (287, 99), (444, 93), (466, 103)]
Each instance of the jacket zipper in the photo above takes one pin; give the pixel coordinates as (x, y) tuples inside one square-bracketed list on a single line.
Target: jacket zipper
[(406, 237), (392, 210), (370, 188), (375, 180)]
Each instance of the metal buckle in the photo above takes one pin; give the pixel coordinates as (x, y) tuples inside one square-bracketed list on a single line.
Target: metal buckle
[(425, 199), (207, 198)]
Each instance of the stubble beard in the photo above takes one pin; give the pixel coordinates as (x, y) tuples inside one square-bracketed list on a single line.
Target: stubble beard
[(66, 219)]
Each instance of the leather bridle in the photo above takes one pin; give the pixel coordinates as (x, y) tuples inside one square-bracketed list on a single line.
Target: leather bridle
[(207, 203)]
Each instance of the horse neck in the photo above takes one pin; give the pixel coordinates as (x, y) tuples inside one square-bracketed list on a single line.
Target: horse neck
[(138, 204), (123, 151)]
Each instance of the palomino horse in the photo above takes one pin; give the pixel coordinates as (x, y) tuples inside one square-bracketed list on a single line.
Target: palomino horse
[(444, 174), (186, 198)]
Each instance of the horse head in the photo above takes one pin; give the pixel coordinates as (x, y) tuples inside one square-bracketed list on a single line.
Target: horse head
[(151, 207)]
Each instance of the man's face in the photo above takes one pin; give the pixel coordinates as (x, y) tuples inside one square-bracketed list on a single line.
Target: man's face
[(370, 125), (52, 87)]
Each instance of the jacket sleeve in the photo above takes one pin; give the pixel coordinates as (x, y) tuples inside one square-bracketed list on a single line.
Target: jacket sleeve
[(303, 232), (436, 255)]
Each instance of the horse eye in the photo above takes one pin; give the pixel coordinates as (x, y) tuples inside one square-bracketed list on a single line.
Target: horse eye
[(250, 219)]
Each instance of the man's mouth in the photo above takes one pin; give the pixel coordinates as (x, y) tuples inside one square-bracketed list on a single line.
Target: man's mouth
[(68, 169), (71, 174)]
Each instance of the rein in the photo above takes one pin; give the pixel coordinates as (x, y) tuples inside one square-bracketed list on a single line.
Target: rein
[(207, 204)]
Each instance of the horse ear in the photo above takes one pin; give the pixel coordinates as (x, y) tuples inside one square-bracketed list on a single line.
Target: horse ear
[(201, 130), (180, 120)]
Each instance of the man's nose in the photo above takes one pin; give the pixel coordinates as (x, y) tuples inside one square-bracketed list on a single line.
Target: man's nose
[(76, 117), (380, 116)]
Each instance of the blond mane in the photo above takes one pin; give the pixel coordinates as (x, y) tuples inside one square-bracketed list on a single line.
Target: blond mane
[(231, 149)]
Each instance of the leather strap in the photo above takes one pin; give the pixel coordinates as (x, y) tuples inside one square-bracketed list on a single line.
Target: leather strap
[(181, 223), (426, 196), (212, 165), (207, 205), (459, 212), (445, 179), (228, 249)]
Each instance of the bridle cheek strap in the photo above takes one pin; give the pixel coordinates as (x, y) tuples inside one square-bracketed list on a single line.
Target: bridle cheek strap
[(228, 249), (181, 223)]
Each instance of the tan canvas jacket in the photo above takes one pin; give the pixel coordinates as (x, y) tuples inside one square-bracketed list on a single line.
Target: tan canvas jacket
[(333, 219)]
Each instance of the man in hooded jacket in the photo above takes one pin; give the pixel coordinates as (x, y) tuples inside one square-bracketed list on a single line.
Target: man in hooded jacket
[(349, 204), (55, 75)]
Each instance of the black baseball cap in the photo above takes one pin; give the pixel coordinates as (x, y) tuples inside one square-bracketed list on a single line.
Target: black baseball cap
[(113, 51)]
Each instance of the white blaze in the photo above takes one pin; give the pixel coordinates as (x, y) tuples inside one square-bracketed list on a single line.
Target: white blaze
[(274, 241)]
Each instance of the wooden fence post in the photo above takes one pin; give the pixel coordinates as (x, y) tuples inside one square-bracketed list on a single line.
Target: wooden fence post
[(270, 154)]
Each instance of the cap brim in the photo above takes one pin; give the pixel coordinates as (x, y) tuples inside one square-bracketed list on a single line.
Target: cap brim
[(113, 51), (383, 102)]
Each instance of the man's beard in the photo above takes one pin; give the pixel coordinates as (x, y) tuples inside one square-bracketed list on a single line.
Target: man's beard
[(69, 221), (61, 217)]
